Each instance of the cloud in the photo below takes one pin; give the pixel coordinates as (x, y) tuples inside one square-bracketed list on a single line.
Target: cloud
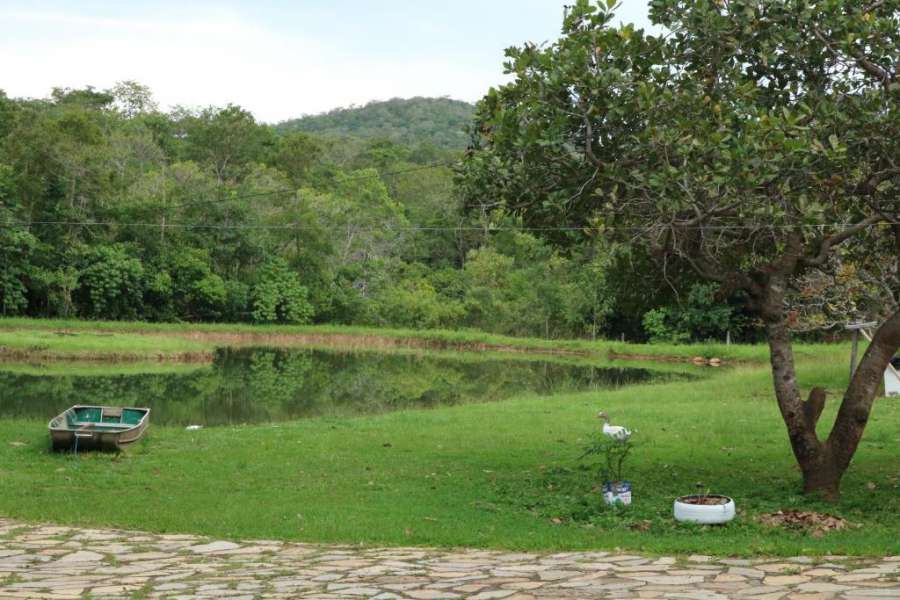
[(198, 58)]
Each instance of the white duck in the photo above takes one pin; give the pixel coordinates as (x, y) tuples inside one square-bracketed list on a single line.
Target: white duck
[(616, 432)]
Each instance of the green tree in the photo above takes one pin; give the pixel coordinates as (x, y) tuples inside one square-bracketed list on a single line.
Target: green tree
[(296, 154), (111, 283), (197, 292), (412, 300), (132, 99), (16, 247), (225, 139), (278, 296), (748, 144), (700, 318), (55, 288)]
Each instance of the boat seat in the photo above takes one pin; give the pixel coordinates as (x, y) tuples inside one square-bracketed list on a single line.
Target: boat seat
[(86, 424)]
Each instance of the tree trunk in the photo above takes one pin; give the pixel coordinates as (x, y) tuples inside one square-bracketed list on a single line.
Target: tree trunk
[(823, 463), (822, 477), (856, 406), (808, 450), (800, 417)]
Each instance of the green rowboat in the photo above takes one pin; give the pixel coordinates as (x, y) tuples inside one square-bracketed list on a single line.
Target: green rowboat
[(98, 427)]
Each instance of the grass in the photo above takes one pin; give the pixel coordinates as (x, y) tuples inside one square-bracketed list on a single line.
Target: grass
[(43, 343), (499, 475)]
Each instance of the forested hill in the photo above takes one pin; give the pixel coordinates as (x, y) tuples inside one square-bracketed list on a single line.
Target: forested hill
[(413, 121)]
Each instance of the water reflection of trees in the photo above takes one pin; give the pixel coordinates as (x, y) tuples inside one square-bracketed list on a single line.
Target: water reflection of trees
[(259, 385)]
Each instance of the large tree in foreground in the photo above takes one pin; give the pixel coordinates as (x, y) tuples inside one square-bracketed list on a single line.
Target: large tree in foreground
[(757, 141)]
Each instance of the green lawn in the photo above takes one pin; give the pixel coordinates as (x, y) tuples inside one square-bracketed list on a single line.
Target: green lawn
[(503, 474)]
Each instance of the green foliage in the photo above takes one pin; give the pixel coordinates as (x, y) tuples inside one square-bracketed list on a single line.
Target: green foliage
[(237, 299), (207, 296), (612, 454), (438, 121), (16, 247), (737, 148), (660, 326), (278, 296), (111, 283), (159, 296), (197, 292), (56, 287), (700, 318), (296, 154), (415, 301), (227, 139), (206, 201)]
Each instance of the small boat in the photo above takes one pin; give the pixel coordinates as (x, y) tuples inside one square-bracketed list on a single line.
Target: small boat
[(98, 427)]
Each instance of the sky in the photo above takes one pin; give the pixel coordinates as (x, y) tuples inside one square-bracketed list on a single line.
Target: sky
[(278, 58)]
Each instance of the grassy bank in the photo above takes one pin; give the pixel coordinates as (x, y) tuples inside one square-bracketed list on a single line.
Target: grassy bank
[(123, 340), (23, 343), (503, 474)]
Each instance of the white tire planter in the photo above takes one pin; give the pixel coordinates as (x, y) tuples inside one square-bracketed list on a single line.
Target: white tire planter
[(706, 514)]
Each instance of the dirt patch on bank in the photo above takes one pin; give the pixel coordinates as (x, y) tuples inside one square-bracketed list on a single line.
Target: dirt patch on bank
[(347, 341), (356, 342), (37, 355), (699, 361)]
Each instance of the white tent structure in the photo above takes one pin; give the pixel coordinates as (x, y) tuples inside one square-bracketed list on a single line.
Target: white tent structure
[(891, 374), (892, 378)]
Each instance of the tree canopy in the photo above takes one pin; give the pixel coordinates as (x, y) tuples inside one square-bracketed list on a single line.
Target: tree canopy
[(438, 122)]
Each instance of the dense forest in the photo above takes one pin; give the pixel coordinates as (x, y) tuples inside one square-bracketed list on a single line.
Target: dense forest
[(438, 121), (112, 208)]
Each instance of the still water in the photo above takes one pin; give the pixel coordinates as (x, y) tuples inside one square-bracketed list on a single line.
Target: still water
[(265, 385)]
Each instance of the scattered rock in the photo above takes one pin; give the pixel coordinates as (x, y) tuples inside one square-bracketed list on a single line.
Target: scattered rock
[(213, 547), (81, 556)]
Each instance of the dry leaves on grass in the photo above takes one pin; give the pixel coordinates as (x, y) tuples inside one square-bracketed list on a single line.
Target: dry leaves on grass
[(816, 524), (641, 526)]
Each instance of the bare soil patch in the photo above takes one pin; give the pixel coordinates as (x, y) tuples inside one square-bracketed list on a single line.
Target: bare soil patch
[(38, 355)]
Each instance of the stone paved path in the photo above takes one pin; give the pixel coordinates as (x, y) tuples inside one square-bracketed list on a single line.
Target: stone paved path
[(42, 561)]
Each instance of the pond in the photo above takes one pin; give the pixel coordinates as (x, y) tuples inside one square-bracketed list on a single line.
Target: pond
[(267, 385)]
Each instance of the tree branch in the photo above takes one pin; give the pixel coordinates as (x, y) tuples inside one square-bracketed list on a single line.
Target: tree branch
[(857, 404), (835, 239), (589, 140), (876, 71), (870, 186)]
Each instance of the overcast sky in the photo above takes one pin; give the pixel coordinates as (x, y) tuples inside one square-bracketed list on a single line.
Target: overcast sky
[(278, 58)]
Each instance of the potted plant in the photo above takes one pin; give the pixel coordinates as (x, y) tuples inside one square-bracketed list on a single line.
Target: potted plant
[(704, 508), (613, 445)]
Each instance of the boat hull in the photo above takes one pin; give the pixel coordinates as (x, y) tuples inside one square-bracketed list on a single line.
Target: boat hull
[(68, 433)]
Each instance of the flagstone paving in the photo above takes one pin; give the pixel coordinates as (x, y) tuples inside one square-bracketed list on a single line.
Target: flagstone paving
[(44, 561)]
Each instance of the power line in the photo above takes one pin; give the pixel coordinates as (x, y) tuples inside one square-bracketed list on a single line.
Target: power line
[(286, 190)]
